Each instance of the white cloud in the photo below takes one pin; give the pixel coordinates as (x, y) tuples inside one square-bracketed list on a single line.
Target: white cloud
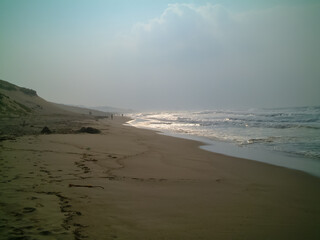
[(182, 29), (222, 57)]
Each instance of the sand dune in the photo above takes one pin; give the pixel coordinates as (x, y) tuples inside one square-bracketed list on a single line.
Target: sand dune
[(27, 98), (30, 102), (22, 112)]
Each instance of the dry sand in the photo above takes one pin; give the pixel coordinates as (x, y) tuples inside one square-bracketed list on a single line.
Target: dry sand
[(128, 183)]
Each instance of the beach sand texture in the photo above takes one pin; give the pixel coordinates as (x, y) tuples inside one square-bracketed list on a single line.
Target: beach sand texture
[(129, 183)]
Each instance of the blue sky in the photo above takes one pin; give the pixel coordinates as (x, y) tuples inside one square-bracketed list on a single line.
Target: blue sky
[(164, 54)]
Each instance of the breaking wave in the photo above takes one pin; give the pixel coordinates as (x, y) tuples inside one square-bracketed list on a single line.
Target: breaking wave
[(288, 130)]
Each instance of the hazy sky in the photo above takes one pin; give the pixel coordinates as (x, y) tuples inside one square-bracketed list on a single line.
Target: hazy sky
[(164, 54)]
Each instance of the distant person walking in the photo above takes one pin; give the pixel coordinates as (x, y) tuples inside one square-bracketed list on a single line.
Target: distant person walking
[(111, 116)]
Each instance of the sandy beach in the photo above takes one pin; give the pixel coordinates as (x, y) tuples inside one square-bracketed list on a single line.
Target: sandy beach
[(129, 183)]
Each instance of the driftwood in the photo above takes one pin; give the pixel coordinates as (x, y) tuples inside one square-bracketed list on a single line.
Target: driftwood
[(87, 186)]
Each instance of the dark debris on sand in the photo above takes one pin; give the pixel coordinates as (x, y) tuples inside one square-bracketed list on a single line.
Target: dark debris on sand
[(89, 130), (46, 130)]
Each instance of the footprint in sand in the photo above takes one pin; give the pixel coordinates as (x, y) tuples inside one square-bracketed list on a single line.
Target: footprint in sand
[(16, 214), (28, 210), (17, 231), (32, 198), (45, 233)]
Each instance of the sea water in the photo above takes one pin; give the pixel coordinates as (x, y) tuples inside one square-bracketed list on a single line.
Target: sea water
[(288, 137)]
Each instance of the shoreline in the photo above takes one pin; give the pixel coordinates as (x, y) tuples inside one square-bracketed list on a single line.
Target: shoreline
[(289, 161), (130, 183)]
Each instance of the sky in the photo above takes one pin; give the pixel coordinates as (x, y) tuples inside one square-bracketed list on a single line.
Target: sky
[(164, 55)]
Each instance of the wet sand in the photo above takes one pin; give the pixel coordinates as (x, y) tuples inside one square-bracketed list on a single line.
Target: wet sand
[(129, 183)]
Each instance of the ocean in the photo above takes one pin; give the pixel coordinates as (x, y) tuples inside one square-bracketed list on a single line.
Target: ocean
[(288, 137)]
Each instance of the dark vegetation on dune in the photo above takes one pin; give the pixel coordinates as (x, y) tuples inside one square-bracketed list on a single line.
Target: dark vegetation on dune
[(11, 87), (11, 107)]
